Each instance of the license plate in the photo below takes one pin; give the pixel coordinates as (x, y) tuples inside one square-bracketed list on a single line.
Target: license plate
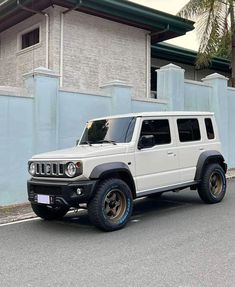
[(45, 199)]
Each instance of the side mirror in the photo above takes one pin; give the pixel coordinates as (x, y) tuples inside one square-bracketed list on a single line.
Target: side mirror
[(77, 141), (146, 141)]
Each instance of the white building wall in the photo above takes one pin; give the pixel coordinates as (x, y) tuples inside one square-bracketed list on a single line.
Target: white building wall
[(97, 51), (15, 62), (55, 35)]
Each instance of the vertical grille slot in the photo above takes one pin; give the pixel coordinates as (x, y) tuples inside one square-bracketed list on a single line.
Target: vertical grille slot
[(48, 168), (37, 168), (61, 169), (54, 168), (42, 168)]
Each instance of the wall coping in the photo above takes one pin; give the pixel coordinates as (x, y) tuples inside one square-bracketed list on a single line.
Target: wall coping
[(14, 92), (215, 76), (197, 83), (150, 100), (41, 71), (170, 67), (116, 83), (88, 93), (231, 89)]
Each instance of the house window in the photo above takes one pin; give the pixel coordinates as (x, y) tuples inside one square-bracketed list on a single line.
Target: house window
[(154, 82), (30, 38)]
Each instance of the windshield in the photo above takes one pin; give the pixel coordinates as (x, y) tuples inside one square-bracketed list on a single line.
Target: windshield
[(118, 130)]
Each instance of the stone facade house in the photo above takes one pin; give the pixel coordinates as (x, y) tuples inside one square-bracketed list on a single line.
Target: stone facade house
[(88, 43)]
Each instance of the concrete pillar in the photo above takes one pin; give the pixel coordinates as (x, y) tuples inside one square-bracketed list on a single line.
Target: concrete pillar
[(219, 105), (170, 86), (43, 84), (120, 94)]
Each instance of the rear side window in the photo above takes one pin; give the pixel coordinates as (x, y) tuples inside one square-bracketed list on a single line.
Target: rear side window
[(160, 129), (209, 129), (188, 130)]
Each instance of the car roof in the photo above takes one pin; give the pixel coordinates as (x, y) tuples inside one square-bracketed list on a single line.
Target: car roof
[(157, 114)]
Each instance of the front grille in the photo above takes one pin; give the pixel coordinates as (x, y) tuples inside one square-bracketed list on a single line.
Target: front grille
[(50, 169)]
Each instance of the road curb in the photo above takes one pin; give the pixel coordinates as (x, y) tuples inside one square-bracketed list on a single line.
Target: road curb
[(16, 212)]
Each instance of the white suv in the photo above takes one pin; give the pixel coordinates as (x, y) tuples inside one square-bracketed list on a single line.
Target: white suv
[(124, 157)]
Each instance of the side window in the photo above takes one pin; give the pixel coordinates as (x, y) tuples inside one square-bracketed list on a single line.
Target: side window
[(159, 129), (209, 129), (188, 130)]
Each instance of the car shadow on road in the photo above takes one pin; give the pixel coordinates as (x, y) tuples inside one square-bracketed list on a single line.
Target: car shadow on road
[(143, 207)]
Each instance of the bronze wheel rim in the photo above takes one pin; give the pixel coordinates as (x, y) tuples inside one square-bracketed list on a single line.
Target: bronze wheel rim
[(216, 184), (114, 205)]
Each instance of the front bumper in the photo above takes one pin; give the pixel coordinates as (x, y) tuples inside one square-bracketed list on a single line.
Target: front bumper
[(61, 193)]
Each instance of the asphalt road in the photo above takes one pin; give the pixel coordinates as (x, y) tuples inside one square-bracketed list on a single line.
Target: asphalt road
[(177, 241)]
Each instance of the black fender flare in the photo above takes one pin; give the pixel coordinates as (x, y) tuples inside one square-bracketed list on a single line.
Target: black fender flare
[(208, 156), (106, 169)]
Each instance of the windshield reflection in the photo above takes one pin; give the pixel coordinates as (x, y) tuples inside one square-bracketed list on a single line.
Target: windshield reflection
[(118, 130)]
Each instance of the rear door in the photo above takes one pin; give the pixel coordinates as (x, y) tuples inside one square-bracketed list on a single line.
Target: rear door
[(157, 166), (190, 145)]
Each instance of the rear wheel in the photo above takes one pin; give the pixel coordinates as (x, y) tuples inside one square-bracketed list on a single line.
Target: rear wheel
[(212, 188), (48, 212), (111, 206)]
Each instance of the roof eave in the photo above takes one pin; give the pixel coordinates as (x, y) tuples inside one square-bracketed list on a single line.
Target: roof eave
[(117, 10), (186, 56)]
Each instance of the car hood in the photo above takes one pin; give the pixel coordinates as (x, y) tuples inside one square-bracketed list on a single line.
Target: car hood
[(82, 151)]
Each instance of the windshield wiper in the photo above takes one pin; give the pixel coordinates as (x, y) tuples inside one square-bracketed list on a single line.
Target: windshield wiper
[(107, 141), (86, 142)]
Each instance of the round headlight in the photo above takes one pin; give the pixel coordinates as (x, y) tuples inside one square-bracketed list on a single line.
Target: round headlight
[(71, 169), (32, 168)]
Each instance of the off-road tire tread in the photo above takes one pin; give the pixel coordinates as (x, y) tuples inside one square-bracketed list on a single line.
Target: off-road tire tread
[(203, 189), (94, 208)]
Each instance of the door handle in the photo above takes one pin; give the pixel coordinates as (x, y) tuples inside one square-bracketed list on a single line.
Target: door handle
[(171, 153), (201, 148)]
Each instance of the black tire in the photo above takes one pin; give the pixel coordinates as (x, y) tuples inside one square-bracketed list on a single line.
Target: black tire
[(212, 187), (111, 207), (48, 212)]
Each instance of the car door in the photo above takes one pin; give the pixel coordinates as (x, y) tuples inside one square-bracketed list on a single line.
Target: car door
[(190, 146), (157, 164)]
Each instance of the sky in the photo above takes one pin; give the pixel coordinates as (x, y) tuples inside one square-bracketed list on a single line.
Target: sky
[(189, 40)]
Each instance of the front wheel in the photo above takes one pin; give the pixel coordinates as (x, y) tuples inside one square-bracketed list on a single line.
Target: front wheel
[(48, 212), (111, 206), (212, 187)]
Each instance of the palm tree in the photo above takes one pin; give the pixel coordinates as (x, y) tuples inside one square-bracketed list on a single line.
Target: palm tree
[(215, 25)]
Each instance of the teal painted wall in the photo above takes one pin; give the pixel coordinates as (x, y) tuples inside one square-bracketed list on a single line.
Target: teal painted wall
[(52, 118), (16, 145), (75, 110), (231, 126), (196, 96)]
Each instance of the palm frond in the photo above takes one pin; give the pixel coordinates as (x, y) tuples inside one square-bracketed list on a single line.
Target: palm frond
[(211, 25), (194, 8)]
